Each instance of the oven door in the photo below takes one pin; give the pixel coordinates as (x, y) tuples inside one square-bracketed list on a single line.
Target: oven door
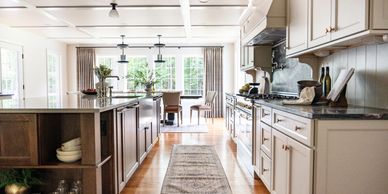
[(244, 128)]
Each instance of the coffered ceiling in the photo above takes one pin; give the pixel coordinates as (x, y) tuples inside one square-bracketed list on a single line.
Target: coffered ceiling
[(87, 21)]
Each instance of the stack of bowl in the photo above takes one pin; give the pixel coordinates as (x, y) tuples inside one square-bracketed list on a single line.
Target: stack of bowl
[(70, 151)]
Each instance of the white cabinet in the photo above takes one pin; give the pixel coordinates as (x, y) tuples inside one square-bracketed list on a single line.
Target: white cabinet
[(335, 19), (297, 19), (292, 166), (320, 22), (348, 17), (379, 14)]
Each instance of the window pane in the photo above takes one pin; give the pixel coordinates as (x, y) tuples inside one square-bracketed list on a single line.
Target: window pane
[(165, 74), (53, 79), (109, 61), (193, 76), (9, 71), (135, 63)]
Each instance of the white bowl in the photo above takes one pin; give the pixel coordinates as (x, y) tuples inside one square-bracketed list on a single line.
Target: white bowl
[(72, 148), (72, 158), (72, 142), (67, 153)]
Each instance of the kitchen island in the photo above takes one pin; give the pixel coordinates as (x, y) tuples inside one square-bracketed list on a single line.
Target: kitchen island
[(116, 135)]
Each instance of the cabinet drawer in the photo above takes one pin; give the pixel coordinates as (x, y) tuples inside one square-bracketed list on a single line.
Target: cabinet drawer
[(266, 115), (265, 138), (296, 127), (265, 170)]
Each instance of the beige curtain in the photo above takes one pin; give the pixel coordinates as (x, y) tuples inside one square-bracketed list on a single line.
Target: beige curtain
[(86, 60), (213, 78)]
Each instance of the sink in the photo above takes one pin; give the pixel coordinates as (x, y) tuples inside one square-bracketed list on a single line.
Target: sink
[(126, 96)]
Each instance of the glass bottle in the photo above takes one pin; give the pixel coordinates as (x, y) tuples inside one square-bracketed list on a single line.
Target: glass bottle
[(76, 187), (327, 83), (62, 187), (322, 75)]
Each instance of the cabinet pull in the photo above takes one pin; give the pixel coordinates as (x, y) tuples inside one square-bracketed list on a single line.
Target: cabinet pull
[(327, 30), (265, 169), (265, 114), (133, 106), (286, 147), (279, 120), (332, 29), (283, 146), (265, 139), (297, 128)]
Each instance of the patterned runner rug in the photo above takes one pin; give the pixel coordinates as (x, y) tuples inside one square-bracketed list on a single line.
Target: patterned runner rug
[(195, 169)]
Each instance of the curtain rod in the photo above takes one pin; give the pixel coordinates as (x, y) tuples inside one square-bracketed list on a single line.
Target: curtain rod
[(149, 47)]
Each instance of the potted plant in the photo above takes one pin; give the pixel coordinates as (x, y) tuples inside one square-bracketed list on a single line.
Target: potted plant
[(102, 72), (18, 181), (144, 77)]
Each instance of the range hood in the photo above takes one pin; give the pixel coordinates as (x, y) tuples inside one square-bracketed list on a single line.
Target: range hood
[(271, 27)]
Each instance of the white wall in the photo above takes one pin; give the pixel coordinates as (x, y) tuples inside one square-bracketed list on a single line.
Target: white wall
[(369, 84), (228, 67), (35, 49)]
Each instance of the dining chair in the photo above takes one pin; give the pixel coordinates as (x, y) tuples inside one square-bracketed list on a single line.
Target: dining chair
[(206, 107), (172, 104)]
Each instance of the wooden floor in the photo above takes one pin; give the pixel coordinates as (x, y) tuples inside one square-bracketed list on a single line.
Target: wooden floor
[(148, 179)]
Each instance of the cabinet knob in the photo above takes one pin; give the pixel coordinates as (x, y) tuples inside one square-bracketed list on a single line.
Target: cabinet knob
[(286, 147), (279, 120), (265, 169), (327, 30), (298, 128), (283, 146), (332, 29)]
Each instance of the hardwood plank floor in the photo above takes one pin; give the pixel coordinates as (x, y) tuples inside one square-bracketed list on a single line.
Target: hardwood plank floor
[(148, 179)]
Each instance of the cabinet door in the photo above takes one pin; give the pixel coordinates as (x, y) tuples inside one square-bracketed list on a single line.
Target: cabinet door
[(379, 14), (141, 143), (18, 139), (279, 163), (300, 168), (320, 21), (148, 133), (155, 120), (129, 142), (348, 17), (297, 20)]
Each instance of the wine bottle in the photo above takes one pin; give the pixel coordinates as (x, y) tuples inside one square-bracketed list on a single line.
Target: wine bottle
[(322, 75), (327, 82)]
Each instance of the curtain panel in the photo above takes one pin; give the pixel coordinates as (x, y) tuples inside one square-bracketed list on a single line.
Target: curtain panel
[(214, 78), (86, 60)]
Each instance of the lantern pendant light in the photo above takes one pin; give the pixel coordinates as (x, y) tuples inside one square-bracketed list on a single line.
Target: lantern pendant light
[(122, 46), (159, 58)]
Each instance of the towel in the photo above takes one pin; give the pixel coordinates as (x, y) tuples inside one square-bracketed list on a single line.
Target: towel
[(306, 97)]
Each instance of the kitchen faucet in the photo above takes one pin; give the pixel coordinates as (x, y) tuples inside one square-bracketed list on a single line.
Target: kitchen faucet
[(111, 87)]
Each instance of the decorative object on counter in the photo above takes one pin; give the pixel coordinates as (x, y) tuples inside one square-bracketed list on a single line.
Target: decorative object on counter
[(244, 89), (337, 96), (102, 72), (311, 83), (306, 97), (326, 82), (18, 181), (90, 91), (146, 77), (265, 89), (70, 151), (322, 75), (253, 89)]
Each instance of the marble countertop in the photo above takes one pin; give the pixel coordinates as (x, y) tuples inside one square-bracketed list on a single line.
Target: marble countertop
[(324, 112), (76, 103)]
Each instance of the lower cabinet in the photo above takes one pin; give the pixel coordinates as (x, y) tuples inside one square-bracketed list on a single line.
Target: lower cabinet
[(292, 164), (126, 144), (18, 132)]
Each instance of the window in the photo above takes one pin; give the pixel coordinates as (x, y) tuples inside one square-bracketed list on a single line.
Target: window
[(193, 76), (165, 74), (11, 70), (135, 63), (53, 79), (111, 62)]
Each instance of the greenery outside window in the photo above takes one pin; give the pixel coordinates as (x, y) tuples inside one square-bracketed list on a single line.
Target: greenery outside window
[(135, 63), (166, 74), (193, 68)]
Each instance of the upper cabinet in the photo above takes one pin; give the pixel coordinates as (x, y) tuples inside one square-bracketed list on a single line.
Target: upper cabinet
[(333, 23), (297, 18)]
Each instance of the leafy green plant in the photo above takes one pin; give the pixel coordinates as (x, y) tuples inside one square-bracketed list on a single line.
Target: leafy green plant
[(20, 177), (143, 76), (102, 71)]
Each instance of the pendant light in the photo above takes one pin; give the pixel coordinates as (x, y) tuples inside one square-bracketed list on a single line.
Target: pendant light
[(122, 46), (159, 58), (113, 13)]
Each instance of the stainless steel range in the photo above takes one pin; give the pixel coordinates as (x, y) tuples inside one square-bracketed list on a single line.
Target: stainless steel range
[(244, 123)]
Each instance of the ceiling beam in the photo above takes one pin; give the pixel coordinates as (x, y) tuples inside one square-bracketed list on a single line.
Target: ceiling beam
[(185, 11)]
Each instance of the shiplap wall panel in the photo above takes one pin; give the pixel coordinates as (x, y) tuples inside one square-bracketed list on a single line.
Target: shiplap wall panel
[(369, 85)]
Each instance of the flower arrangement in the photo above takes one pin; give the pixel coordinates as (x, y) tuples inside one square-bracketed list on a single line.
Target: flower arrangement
[(102, 72), (143, 76)]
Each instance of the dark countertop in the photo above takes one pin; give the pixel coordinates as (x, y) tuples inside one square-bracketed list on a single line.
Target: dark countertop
[(324, 112)]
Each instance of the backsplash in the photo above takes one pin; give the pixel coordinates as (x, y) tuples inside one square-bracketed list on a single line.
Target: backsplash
[(369, 84), (289, 71)]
